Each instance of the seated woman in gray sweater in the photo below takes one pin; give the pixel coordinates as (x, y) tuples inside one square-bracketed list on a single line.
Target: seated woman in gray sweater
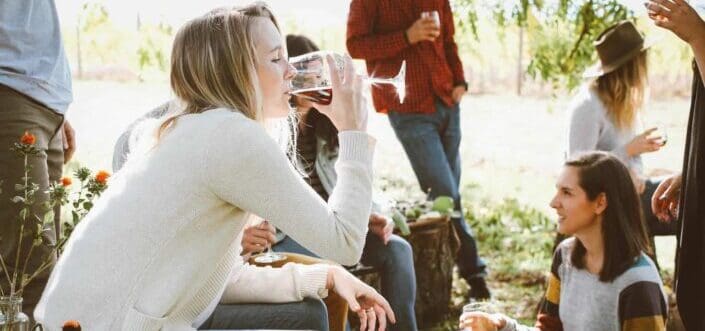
[(605, 115), (600, 279)]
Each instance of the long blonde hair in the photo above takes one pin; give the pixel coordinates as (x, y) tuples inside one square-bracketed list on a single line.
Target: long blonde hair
[(623, 91), (213, 63)]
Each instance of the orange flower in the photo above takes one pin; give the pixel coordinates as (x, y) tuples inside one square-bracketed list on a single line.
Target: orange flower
[(71, 325), (102, 176), (66, 181), (28, 138)]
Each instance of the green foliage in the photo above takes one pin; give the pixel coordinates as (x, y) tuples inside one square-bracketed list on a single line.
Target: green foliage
[(560, 35), (97, 36), (517, 239), (152, 51)]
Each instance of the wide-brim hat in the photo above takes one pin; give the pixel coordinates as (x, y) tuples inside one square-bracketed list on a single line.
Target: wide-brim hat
[(616, 46)]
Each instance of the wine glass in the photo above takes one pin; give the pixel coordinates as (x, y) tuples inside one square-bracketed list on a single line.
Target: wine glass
[(480, 306), (484, 306), (312, 78), (661, 132), (433, 15), (268, 256)]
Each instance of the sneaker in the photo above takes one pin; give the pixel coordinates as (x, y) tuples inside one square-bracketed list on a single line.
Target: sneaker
[(478, 289)]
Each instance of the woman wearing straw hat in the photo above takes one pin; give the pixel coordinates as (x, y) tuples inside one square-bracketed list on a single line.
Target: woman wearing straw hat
[(605, 114)]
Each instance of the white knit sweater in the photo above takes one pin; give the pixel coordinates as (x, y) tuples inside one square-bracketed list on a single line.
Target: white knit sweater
[(163, 241)]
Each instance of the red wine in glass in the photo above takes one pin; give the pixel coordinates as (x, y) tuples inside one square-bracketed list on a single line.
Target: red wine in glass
[(320, 95)]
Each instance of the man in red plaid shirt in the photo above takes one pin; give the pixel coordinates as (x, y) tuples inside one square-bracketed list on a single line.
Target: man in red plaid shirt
[(386, 32)]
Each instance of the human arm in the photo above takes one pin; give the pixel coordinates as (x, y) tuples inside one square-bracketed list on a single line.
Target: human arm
[(293, 282), (69, 140), (666, 198), (680, 17), (364, 42), (451, 51), (246, 168), (642, 307)]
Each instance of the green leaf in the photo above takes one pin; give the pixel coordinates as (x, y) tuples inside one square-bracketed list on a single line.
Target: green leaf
[(49, 217), (400, 223), (443, 204), (23, 214)]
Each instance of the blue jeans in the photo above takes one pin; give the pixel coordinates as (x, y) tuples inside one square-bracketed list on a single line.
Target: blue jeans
[(432, 143), (396, 265), (309, 314)]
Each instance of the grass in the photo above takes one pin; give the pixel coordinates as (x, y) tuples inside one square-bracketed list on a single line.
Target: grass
[(512, 149)]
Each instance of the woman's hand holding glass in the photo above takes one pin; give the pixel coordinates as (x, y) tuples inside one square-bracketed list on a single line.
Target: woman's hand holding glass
[(481, 316), (666, 198), (257, 237), (348, 108), (646, 142)]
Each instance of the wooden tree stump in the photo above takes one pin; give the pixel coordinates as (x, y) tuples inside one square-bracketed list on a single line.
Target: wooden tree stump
[(435, 245)]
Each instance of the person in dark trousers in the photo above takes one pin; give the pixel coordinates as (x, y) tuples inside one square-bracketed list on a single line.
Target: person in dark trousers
[(682, 196), (35, 93), (427, 122)]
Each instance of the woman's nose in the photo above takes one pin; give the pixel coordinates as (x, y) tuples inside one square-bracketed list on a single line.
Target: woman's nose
[(554, 202), (290, 72)]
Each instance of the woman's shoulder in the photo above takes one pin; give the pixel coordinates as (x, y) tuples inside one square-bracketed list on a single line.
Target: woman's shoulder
[(643, 269), (566, 246), (561, 256), (229, 122), (641, 292), (587, 102)]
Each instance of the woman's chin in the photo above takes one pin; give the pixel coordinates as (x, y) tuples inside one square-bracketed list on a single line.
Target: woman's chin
[(564, 230)]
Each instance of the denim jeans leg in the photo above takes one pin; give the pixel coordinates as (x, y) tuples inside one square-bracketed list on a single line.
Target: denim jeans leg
[(422, 136), (309, 314), (395, 263), (451, 136)]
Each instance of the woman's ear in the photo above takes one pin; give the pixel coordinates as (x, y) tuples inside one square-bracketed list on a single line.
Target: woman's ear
[(600, 203)]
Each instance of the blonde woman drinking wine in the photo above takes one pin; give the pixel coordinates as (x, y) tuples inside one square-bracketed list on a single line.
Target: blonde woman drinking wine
[(161, 248)]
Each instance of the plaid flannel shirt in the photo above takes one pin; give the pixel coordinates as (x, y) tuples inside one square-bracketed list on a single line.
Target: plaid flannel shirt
[(376, 33)]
